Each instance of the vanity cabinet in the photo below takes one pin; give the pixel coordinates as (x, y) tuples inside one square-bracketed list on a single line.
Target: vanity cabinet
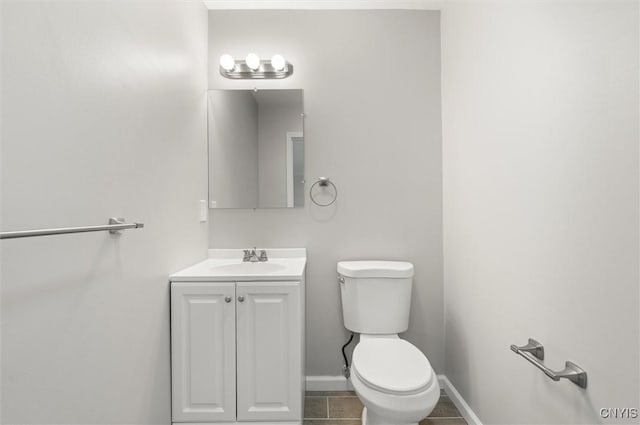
[(237, 351), (203, 351)]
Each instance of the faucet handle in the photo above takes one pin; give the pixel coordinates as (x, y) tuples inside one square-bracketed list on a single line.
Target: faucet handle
[(247, 255), (263, 255)]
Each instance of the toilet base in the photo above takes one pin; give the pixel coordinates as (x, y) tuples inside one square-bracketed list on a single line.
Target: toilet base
[(372, 419)]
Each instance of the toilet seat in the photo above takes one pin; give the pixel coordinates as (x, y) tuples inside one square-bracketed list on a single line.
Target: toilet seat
[(392, 366)]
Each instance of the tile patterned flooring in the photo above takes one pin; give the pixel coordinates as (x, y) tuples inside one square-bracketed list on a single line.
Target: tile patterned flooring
[(344, 408)]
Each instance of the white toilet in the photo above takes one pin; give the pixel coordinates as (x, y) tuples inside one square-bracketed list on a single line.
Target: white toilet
[(392, 378)]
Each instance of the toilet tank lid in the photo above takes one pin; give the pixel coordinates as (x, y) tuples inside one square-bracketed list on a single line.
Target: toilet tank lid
[(364, 269)]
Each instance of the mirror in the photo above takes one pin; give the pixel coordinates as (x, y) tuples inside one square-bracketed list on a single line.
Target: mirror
[(256, 149)]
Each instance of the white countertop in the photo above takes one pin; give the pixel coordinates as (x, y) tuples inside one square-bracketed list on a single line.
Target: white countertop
[(227, 265)]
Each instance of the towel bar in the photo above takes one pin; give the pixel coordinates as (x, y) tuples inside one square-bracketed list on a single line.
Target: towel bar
[(114, 226), (533, 352)]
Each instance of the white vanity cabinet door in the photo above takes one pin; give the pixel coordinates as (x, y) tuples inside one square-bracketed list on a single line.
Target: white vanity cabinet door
[(269, 349), (203, 351)]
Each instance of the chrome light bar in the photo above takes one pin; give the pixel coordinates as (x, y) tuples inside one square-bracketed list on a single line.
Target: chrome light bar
[(241, 71)]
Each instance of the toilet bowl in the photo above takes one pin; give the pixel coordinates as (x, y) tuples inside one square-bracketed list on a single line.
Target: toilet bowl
[(393, 378), (394, 381)]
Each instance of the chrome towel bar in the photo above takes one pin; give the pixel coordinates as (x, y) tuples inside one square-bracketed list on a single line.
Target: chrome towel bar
[(534, 353), (114, 227)]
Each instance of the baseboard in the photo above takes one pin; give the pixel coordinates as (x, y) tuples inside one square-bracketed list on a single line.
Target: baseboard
[(236, 423), (328, 383), (460, 403), (340, 383)]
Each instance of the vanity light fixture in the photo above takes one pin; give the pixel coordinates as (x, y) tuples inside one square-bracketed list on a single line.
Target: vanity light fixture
[(278, 63), (253, 61), (252, 67), (227, 62)]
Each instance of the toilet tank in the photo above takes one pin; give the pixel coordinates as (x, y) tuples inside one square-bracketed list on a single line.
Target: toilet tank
[(376, 295)]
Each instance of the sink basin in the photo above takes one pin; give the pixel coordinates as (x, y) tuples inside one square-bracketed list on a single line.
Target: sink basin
[(248, 268), (226, 265)]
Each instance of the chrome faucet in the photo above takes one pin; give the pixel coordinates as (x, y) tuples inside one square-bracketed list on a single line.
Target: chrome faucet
[(251, 255), (263, 255)]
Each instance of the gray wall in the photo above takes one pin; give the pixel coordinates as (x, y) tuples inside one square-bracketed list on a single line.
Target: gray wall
[(373, 127), (104, 113), (540, 125), (233, 149)]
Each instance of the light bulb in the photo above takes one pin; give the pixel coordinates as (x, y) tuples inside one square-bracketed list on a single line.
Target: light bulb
[(253, 61), (278, 63), (227, 62)]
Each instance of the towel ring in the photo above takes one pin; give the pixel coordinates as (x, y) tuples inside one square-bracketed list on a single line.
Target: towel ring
[(323, 182)]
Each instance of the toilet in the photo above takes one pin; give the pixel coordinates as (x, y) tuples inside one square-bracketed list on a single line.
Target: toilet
[(393, 379)]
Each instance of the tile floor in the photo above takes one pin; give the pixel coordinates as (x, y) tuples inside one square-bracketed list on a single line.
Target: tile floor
[(344, 408)]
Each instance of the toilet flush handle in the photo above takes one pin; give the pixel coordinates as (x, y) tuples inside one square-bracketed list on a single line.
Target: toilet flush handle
[(340, 279)]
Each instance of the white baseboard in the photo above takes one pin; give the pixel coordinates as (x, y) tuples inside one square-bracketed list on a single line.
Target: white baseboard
[(328, 383), (460, 403), (340, 383), (236, 423), (324, 4)]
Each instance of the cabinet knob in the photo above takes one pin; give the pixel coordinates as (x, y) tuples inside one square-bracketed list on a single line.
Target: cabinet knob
[(227, 299), (241, 298)]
